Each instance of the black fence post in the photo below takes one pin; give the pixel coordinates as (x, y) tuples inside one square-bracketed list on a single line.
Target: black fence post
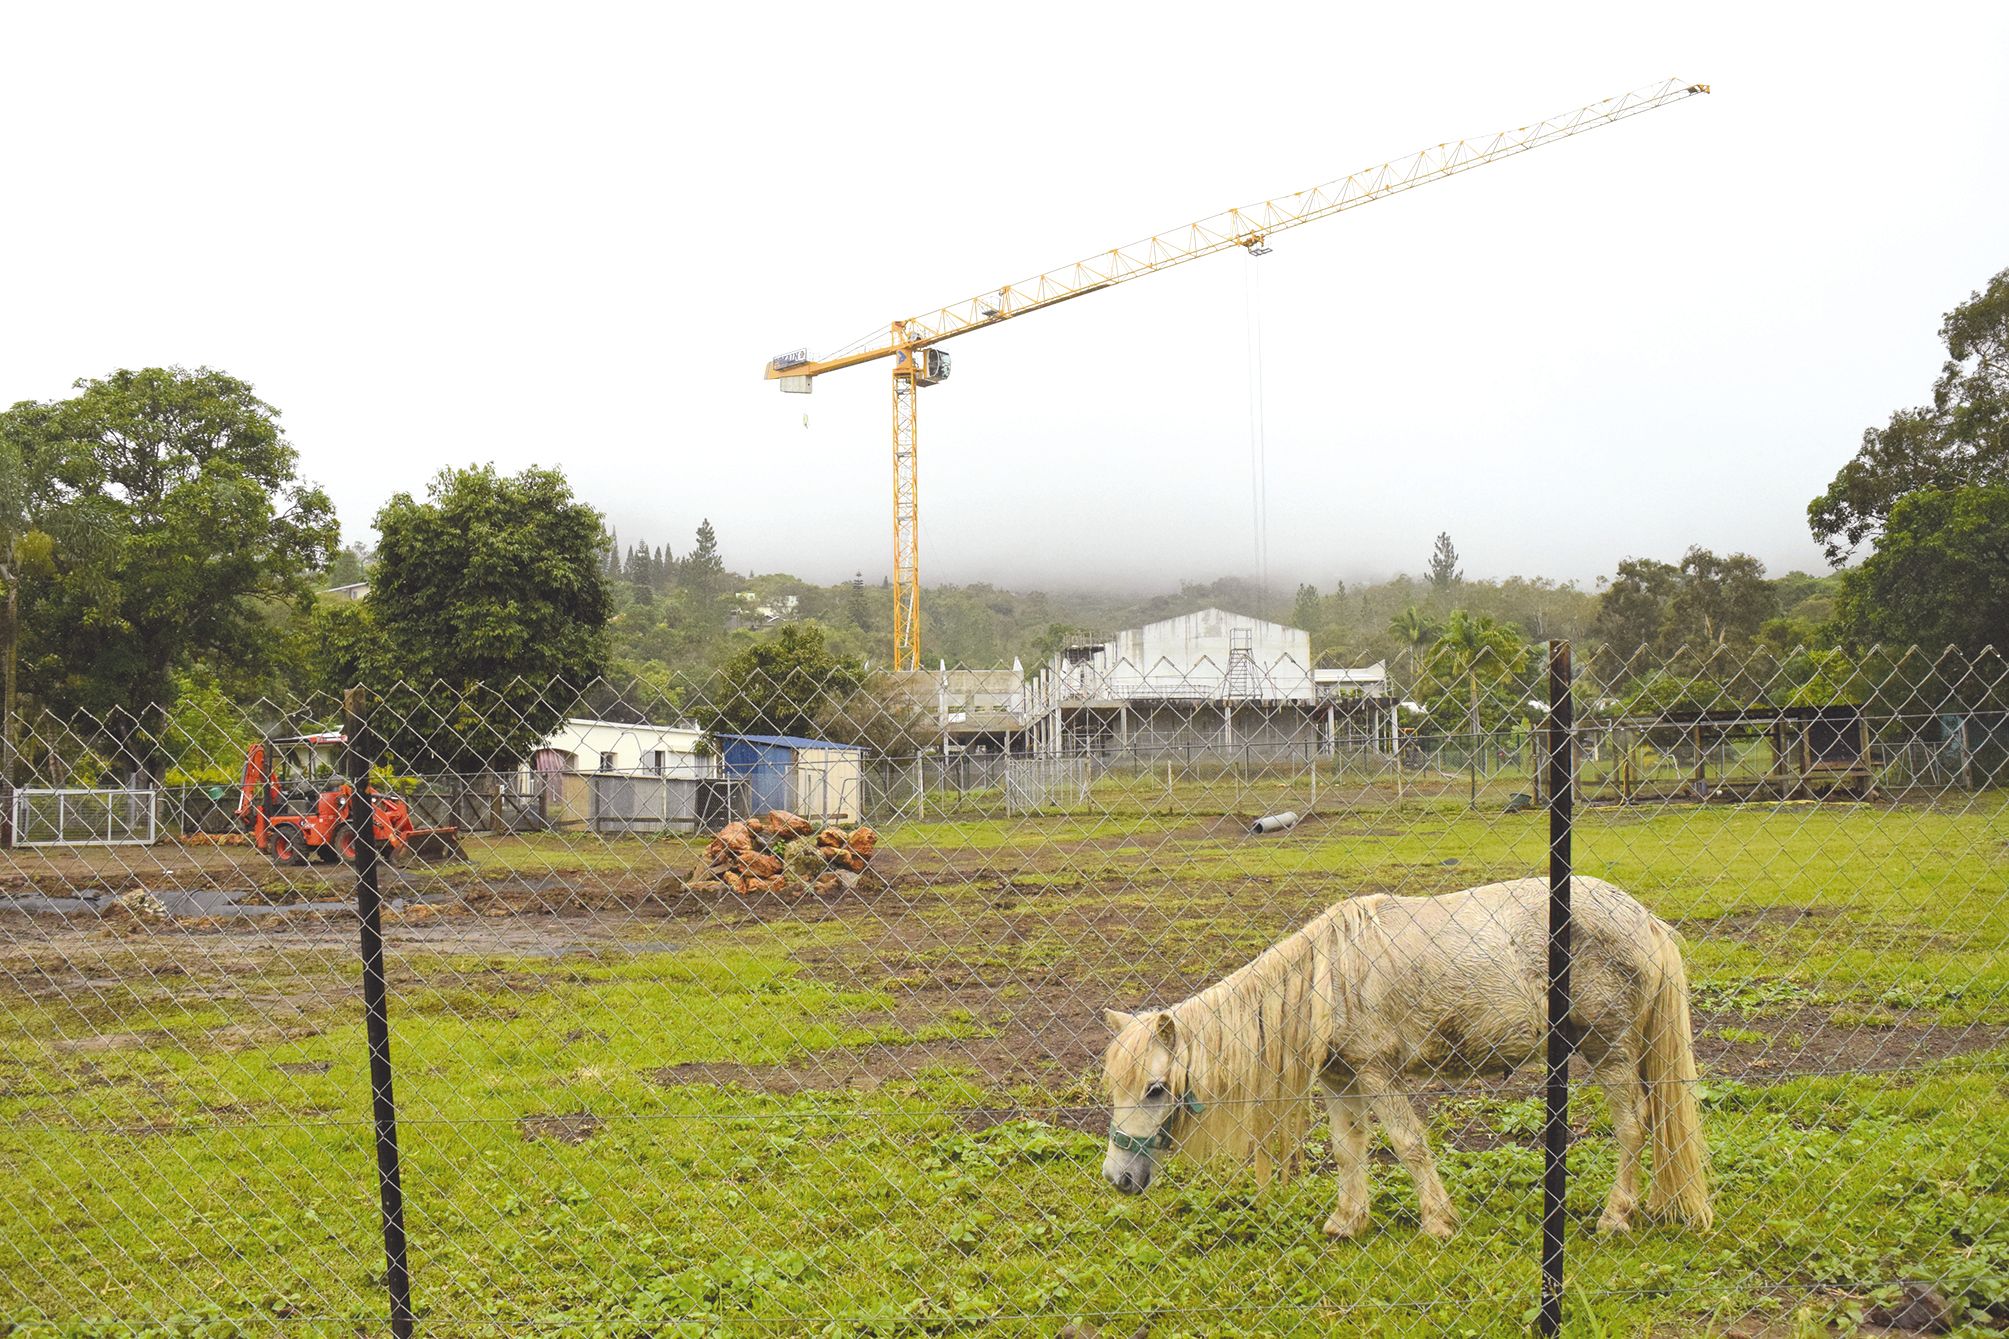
[(360, 756), (1556, 1094)]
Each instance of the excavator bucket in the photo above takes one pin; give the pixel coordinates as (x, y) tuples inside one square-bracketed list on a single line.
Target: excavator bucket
[(433, 844)]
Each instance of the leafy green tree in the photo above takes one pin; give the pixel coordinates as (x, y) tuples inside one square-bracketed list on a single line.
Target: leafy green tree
[(1443, 571), (27, 551), (1634, 607), (1309, 611), (1961, 439), (783, 684), (1056, 638), (348, 567), (1657, 692), (487, 615), (1708, 601), (206, 732), (1824, 677), (887, 714), (1786, 635), (1719, 601), (1939, 575), (186, 522)]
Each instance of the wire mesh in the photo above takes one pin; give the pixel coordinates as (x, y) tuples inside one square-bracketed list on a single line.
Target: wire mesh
[(781, 1005)]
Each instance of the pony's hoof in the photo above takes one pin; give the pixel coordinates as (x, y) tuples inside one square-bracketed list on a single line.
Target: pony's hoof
[(1345, 1227), (1613, 1223), (1443, 1229)]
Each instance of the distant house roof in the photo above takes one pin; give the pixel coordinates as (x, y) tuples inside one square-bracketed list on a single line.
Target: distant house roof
[(1217, 613), (1374, 673), (795, 742), (684, 727)]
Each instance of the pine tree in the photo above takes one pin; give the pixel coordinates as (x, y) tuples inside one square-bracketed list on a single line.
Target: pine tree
[(702, 566), (1444, 573), (855, 607), (1309, 609), (636, 568)]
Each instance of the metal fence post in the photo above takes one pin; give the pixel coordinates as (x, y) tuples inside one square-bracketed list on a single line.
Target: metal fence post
[(1556, 1093), (360, 755)]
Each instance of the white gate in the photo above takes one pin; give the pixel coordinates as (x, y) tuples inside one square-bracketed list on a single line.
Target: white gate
[(1034, 785), (119, 817)]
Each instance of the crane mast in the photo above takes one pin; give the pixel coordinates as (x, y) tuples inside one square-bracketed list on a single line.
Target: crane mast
[(917, 363)]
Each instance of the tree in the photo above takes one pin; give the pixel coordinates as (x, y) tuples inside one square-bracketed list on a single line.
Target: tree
[(1310, 609), (702, 566), (348, 567), (1050, 643), (489, 609), (783, 684), (1634, 607), (1443, 571), (1659, 692), (1474, 658), (1709, 601), (855, 607), (1959, 440), (188, 524), (26, 550), (1939, 576), (1413, 628), (887, 713), (1719, 601)]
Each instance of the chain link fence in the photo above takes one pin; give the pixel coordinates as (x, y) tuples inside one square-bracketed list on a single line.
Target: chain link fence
[(887, 1061)]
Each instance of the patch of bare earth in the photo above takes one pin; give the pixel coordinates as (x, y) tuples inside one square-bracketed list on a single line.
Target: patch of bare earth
[(574, 1127), (1808, 1041)]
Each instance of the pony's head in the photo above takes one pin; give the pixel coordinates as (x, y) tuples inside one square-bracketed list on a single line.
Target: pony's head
[(1150, 1098)]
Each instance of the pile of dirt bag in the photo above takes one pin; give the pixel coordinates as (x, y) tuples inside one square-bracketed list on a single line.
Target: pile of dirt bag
[(780, 852)]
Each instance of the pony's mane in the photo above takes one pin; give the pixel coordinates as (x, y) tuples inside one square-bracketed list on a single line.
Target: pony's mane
[(1249, 1047)]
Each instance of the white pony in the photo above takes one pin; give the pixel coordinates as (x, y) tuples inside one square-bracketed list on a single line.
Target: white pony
[(1379, 992)]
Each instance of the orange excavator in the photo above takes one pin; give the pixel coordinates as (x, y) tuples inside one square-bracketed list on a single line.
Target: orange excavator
[(294, 804)]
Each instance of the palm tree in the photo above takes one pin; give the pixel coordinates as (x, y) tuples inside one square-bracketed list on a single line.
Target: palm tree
[(1413, 628), (1475, 645)]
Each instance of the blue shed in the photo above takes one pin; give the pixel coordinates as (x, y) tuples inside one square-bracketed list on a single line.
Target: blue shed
[(815, 778)]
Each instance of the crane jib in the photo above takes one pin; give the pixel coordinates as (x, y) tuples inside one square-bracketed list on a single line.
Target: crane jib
[(1248, 227)]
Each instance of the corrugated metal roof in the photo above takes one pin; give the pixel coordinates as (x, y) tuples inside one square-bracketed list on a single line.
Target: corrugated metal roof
[(796, 742)]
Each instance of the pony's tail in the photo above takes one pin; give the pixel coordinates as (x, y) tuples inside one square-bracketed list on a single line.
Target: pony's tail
[(1673, 1112)]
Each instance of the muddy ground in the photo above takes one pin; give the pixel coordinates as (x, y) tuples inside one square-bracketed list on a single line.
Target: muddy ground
[(1027, 947)]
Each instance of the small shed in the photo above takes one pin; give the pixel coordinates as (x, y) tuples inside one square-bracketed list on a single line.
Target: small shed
[(816, 778), (581, 744), (617, 776)]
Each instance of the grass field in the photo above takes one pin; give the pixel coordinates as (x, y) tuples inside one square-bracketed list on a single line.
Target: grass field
[(628, 1112)]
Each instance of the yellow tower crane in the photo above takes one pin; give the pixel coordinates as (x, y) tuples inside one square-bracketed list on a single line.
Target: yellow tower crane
[(910, 343)]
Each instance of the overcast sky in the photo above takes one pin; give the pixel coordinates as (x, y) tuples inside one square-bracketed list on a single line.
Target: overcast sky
[(572, 235)]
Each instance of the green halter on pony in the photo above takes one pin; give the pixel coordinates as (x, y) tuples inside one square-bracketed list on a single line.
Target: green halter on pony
[(1162, 1136)]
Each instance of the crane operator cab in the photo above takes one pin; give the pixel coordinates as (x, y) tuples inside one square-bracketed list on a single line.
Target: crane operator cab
[(931, 367)]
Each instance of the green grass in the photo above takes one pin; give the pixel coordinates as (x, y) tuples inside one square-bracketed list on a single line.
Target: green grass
[(211, 1171)]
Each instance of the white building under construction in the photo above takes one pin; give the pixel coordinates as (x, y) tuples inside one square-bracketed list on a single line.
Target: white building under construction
[(1209, 683)]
